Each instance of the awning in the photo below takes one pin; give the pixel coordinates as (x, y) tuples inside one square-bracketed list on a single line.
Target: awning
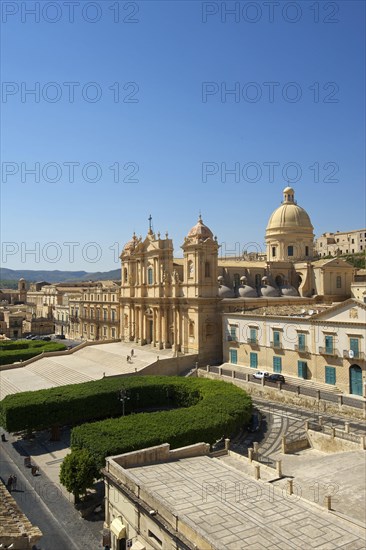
[(138, 546), (118, 529)]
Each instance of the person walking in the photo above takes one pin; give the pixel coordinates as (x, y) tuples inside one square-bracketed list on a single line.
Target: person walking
[(9, 483), (128, 358), (132, 353)]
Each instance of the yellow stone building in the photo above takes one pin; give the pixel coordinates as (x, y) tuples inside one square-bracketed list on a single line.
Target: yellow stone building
[(325, 344)]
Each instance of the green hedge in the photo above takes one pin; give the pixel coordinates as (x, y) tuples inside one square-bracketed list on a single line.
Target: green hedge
[(208, 410), (216, 409), (88, 401), (22, 350)]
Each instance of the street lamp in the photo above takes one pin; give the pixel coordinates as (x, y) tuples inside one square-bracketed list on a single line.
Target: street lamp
[(123, 397)]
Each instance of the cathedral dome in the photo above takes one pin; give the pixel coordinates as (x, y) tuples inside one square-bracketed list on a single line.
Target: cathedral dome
[(200, 231), (289, 215), (268, 290), (225, 291), (130, 246), (246, 291), (288, 290)]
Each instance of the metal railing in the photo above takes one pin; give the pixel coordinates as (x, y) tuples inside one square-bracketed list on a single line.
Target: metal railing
[(276, 345), (302, 349), (356, 355), (329, 351)]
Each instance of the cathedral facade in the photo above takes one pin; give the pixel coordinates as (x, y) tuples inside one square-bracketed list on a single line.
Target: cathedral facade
[(178, 303)]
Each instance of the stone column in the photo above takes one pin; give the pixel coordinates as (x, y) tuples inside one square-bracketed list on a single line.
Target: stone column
[(141, 325), (160, 344)]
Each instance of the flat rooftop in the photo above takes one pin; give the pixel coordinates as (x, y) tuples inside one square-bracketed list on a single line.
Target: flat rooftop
[(234, 511)]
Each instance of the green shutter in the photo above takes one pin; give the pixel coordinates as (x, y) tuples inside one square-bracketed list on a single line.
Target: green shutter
[(330, 375), (253, 334), (302, 368), (276, 337), (329, 344), (277, 364), (253, 360), (301, 341), (233, 356), (353, 344)]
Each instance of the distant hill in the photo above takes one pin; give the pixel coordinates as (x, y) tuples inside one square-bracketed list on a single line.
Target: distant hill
[(32, 276)]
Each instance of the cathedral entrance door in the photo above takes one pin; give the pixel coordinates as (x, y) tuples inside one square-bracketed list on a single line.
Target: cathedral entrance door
[(150, 328)]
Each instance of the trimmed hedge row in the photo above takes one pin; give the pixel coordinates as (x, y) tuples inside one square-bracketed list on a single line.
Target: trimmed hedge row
[(217, 409), (26, 350), (89, 401)]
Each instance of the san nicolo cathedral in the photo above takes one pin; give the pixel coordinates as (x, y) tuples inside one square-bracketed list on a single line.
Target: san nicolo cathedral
[(178, 302)]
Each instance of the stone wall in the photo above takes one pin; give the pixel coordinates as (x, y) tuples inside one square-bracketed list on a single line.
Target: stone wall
[(328, 444), (289, 398)]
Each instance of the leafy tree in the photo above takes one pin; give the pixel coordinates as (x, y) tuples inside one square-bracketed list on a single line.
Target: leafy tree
[(78, 472)]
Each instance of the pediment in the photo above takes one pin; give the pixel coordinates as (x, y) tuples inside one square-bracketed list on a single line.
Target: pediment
[(350, 311)]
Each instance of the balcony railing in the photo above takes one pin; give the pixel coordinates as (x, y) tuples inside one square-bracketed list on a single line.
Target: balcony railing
[(231, 338), (276, 345), (329, 351), (253, 341), (356, 355), (61, 323), (302, 349)]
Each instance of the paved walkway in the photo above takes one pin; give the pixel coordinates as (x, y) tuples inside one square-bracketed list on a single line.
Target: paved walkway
[(89, 363)]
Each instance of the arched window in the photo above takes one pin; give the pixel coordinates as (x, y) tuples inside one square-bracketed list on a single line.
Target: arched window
[(207, 269), (306, 251), (273, 251), (150, 276), (125, 275), (290, 251), (191, 329), (190, 269)]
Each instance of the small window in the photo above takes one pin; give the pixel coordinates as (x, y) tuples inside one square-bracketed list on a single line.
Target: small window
[(290, 250), (233, 333), (155, 538), (191, 329), (125, 276), (150, 276), (113, 332), (339, 281), (353, 241), (306, 251), (207, 269), (273, 251), (104, 331)]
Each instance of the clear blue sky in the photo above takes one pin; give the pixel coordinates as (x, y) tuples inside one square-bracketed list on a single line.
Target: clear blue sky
[(169, 123)]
